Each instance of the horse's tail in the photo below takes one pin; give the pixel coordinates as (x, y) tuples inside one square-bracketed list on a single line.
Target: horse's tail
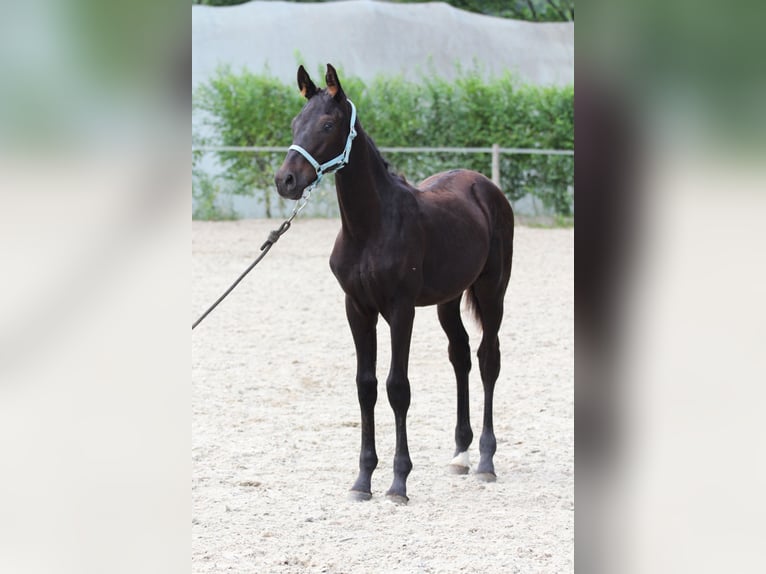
[(472, 305)]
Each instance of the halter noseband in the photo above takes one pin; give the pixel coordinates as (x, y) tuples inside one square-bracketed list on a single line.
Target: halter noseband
[(335, 164)]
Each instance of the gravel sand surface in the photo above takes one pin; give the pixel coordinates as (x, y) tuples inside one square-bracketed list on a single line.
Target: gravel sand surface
[(275, 420)]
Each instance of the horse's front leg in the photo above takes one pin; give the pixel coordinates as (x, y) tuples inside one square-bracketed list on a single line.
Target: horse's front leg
[(363, 324), (398, 389)]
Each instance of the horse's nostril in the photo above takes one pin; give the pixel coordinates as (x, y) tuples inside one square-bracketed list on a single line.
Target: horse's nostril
[(285, 182)]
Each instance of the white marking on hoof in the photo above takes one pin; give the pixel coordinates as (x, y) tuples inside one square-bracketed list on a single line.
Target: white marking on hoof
[(461, 463)]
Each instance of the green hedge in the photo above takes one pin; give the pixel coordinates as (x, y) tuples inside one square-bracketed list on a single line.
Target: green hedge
[(248, 109)]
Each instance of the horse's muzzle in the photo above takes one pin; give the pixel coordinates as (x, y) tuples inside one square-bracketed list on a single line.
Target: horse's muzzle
[(285, 182), (287, 185), (293, 178)]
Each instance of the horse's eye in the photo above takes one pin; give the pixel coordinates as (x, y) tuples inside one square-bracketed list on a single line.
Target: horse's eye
[(327, 126)]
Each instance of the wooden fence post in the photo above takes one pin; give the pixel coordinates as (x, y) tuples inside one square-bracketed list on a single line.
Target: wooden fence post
[(496, 164)]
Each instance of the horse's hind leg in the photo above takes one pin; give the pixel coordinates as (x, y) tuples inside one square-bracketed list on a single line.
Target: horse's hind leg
[(487, 295), (460, 357), (491, 311)]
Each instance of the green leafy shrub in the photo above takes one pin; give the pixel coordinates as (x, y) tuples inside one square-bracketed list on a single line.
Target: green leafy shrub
[(256, 110)]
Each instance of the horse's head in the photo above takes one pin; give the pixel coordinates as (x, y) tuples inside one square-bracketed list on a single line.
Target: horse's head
[(322, 135)]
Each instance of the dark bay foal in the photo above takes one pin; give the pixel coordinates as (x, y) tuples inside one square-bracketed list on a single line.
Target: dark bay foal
[(400, 247)]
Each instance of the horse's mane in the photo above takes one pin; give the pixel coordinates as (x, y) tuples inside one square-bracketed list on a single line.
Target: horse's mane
[(389, 168)]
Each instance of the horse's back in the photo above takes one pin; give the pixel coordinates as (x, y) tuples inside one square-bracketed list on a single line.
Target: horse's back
[(464, 190)]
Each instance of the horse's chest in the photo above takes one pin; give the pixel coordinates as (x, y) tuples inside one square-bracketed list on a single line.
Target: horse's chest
[(361, 276), (368, 276)]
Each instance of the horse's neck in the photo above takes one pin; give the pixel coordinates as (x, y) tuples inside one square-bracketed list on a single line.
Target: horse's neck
[(361, 188)]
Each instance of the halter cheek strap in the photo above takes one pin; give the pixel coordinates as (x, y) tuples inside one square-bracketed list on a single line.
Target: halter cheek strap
[(335, 164)]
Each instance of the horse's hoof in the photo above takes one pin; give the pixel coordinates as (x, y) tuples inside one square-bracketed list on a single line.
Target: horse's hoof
[(458, 469), (359, 496), (486, 476), (398, 499), (461, 464)]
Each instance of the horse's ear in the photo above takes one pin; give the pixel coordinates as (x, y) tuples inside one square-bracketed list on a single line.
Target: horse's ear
[(333, 83), (305, 85)]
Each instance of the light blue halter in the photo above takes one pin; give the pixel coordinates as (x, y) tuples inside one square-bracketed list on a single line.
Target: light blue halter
[(335, 164)]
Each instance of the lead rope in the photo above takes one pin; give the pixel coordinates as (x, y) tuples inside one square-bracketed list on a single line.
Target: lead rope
[(267, 245)]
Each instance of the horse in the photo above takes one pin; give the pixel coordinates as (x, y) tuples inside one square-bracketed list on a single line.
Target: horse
[(400, 247)]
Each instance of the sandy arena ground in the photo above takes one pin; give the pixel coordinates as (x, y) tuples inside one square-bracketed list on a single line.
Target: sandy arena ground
[(275, 420)]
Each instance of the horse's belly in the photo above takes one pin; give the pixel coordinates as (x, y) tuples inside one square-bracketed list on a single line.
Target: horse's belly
[(451, 266), (429, 298), (446, 286)]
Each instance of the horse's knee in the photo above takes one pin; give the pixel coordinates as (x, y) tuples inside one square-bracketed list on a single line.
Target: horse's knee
[(367, 390), (398, 389)]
